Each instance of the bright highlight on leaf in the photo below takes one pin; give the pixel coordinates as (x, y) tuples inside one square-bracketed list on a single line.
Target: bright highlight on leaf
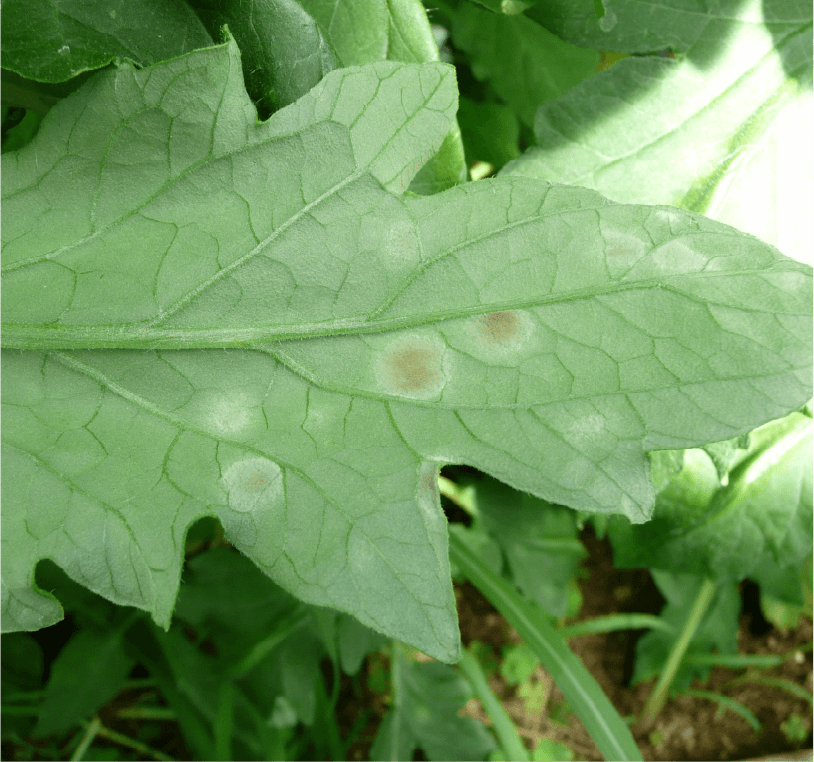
[(207, 315)]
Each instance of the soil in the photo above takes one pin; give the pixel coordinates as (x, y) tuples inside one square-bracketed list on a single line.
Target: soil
[(686, 728)]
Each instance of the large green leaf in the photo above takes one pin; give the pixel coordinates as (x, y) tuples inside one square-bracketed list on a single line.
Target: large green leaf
[(54, 40), (723, 532), (542, 334), (725, 131)]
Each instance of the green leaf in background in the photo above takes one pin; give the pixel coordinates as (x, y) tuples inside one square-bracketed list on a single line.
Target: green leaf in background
[(226, 598), (725, 455), (725, 131), (646, 26), (722, 532), (781, 581), (490, 132), (89, 671), (364, 31), (539, 539), (541, 66), (718, 629), (427, 697), (509, 7), (284, 52), (54, 40), (22, 663), (540, 333), (519, 663)]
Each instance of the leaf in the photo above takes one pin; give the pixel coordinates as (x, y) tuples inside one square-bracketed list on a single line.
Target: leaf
[(427, 698), (711, 132), (355, 641), (540, 542), (503, 726), (541, 67), (606, 728), (283, 49), (363, 31), (490, 132), (718, 629), (226, 598), (56, 40), (645, 26), (89, 671), (541, 334), (722, 533)]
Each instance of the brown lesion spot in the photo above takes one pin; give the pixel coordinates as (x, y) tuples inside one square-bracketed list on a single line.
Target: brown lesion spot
[(256, 483), (499, 327), (413, 368), (618, 251)]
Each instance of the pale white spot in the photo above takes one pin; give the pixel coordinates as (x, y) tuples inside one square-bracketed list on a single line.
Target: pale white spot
[(400, 242), (228, 415), (253, 485), (64, 50), (622, 249), (608, 21), (586, 428), (667, 214), (677, 257)]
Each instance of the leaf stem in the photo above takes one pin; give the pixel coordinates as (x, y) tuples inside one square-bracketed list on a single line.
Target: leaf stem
[(658, 697), (463, 497), (91, 731), (119, 738)]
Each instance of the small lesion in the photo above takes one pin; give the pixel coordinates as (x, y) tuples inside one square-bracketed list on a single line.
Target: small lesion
[(414, 368), (256, 483), (499, 327)]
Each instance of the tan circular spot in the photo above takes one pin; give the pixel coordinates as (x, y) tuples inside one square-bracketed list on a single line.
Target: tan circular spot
[(499, 327), (413, 368)]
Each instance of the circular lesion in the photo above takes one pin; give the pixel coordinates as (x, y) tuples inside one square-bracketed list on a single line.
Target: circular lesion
[(414, 368), (499, 327)]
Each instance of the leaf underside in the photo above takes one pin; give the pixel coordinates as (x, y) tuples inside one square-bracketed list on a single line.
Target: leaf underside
[(207, 315)]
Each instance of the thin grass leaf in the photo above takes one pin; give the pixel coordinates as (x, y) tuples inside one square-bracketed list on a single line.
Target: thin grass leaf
[(502, 724), (607, 729), (614, 623), (727, 703)]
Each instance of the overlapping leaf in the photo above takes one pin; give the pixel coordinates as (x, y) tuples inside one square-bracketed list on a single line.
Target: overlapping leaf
[(725, 131), (55, 40), (541, 334), (723, 533)]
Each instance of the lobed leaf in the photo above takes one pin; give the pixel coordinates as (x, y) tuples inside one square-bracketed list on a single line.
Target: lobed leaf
[(542, 334)]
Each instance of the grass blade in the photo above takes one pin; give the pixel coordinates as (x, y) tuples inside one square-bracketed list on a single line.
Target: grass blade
[(725, 702), (502, 724), (601, 720), (613, 623)]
